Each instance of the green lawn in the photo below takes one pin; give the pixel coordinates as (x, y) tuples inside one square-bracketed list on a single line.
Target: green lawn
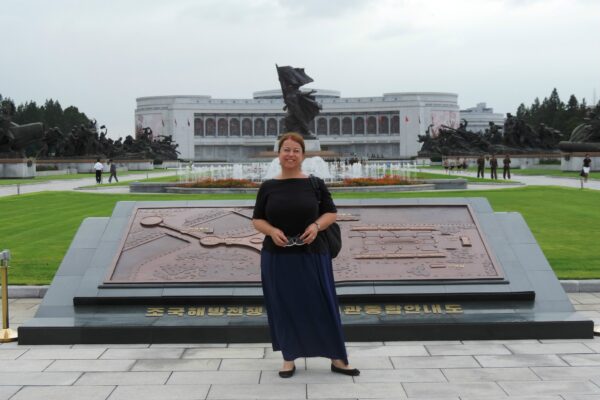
[(38, 228)]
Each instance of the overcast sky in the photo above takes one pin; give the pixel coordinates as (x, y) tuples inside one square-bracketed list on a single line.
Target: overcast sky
[(100, 55)]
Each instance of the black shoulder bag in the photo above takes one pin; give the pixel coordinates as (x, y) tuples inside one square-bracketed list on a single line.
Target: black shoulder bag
[(332, 233)]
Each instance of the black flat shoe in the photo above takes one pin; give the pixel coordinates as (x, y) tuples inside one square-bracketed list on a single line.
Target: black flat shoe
[(287, 374), (350, 372)]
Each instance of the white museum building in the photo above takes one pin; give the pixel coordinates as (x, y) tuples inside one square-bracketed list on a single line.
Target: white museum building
[(208, 129)]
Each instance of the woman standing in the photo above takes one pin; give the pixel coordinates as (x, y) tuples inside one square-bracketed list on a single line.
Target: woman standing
[(296, 270)]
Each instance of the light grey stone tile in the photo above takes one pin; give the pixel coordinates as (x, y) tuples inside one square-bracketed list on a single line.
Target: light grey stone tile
[(521, 360), (435, 362), (38, 378), (123, 378), (214, 377), (64, 393), (24, 365), (6, 392), (62, 354), (188, 345), (367, 344), (11, 354), (467, 349), (265, 364), (584, 298), (368, 390), (549, 387), (132, 354), (305, 376), (387, 351), (566, 373), (239, 392), (476, 389), (177, 365), (422, 398), (582, 360), (90, 365), (422, 342), (112, 346), (400, 375), (355, 362), (595, 346), (489, 374), (576, 396), (549, 348), (243, 345), (158, 392), (550, 397), (504, 342), (225, 353), (591, 340)]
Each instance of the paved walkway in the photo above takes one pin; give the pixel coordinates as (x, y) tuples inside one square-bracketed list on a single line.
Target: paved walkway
[(72, 184), (508, 369)]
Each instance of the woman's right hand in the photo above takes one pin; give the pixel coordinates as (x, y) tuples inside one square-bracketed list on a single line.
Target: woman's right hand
[(278, 237)]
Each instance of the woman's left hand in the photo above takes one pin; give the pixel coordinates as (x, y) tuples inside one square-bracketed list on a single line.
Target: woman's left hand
[(310, 234)]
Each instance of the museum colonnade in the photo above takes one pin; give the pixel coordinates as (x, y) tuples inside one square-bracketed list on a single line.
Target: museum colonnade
[(227, 125)]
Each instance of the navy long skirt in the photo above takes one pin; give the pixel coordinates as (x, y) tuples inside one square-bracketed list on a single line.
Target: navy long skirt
[(302, 306)]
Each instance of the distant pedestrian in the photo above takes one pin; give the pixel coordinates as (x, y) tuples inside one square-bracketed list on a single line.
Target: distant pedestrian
[(98, 167), (585, 169), (113, 171), (506, 167), (493, 167), (480, 166)]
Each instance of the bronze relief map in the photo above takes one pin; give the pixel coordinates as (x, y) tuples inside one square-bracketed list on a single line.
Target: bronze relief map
[(380, 243)]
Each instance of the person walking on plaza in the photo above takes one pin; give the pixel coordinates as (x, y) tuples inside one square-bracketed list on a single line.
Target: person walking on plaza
[(296, 266), (506, 167), (98, 167), (113, 171), (493, 167), (480, 166), (585, 169)]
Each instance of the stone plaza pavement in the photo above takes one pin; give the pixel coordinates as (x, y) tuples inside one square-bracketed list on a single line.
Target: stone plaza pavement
[(507, 369)]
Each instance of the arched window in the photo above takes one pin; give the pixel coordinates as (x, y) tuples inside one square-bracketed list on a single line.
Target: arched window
[(322, 126), (271, 127), (234, 127), (371, 125), (259, 127), (247, 127), (222, 127), (359, 126), (282, 127), (347, 126), (384, 124), (334, 126), (198, 127), (395, 124), (211, 127)]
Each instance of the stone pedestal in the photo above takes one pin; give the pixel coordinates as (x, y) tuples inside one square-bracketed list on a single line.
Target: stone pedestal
[(574, 161), (17, 168)]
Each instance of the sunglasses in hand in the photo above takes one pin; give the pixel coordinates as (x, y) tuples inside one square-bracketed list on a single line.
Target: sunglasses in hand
[(294, 241)]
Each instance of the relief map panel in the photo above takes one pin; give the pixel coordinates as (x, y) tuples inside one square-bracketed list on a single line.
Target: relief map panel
[(198, 245)]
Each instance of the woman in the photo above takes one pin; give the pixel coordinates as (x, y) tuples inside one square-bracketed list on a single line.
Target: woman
[(297, 276)]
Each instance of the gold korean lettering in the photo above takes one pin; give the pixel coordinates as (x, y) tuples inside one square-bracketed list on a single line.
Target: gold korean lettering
[(216, 311), (352, 310), (155, 311), (178, 311), (254, 311), (196, 311), (393, 309), (373, 309), (453, 309), (235, 311)]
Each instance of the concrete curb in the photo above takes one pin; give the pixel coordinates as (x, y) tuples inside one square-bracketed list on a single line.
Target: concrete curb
[(570, 286)]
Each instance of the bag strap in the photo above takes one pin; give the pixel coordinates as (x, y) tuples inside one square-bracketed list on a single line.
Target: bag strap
[(315, 184)]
